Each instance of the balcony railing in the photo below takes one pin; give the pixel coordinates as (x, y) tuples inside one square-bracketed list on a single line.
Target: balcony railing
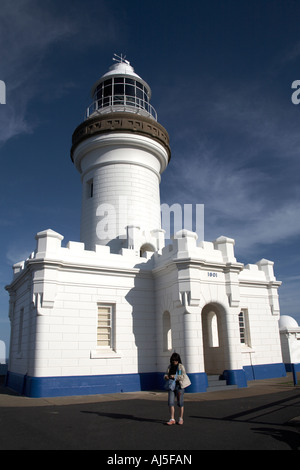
[(127, 103)]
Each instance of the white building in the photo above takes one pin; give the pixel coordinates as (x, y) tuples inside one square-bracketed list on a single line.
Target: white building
[(290, 340), (104, 314), (2, 353), (3, 366)]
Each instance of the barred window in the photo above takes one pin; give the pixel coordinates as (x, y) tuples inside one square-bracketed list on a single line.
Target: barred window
[(105, 336), (244, 327)]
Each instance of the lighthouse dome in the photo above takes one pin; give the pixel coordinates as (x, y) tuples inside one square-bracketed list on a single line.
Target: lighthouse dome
[(121, 89), (286, 322)]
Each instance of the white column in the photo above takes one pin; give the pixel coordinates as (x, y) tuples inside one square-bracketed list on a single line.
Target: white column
[(193, 343)]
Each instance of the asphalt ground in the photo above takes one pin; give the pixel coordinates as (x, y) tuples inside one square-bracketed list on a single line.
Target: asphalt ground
[(263, 416)]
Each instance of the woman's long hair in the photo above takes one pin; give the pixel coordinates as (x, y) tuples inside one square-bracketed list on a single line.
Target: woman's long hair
[(175, 357)]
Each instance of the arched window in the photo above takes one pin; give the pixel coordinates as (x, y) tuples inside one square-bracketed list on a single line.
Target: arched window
[(213, 334), (167, 332), (146, 247)]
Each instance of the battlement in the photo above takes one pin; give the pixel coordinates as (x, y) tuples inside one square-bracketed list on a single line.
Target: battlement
[(49, 248), (184, 246)]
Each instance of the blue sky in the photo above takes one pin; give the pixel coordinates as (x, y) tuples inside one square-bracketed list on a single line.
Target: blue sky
[(220, 72)]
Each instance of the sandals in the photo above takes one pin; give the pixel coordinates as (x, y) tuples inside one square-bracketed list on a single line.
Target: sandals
[(171, 421)]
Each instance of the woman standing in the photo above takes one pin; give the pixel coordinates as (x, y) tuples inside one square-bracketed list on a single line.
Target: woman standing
[(182, 381)]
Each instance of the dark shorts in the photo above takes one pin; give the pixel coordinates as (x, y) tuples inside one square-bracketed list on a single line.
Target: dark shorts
[(179, 394)]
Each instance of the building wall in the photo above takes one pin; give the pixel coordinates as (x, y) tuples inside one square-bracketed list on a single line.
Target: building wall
[(290, 343), (59, 298), (185, 298), (203, 290)]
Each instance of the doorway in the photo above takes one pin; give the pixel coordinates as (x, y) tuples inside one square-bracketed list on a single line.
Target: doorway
[(215, 338)]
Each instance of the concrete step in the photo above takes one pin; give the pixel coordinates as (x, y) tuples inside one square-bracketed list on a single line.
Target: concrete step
[(215, 384)]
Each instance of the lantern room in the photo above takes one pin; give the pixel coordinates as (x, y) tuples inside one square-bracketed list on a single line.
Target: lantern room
[(121, 89)]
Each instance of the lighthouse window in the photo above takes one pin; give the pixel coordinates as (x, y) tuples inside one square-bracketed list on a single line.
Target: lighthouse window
[(105, 337), (119, 89), (129, 90), (139, 93), (213, 330), (108, 90), (244, 328), (167, 332), (90, 188), (99, 92)]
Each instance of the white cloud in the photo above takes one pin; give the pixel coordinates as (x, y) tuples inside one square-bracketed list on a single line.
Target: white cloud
[(16, 255), (289, 296), (28, 30), (237, 151), (239, 201)]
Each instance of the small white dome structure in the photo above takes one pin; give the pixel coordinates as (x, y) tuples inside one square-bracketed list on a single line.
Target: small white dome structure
[(2, 352), (290, 340), (285, 322)]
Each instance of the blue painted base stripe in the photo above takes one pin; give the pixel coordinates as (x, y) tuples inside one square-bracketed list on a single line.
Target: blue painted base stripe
[(199, 383), (198, 380), (265, 371), (37, 387), (235, 377), (294, 368), (290, 366)]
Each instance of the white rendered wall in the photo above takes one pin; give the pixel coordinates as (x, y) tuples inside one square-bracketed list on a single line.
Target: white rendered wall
[(290, 343), (211, 286), (60, 292), (125, 170), (259, 297), (59, 334), (23, 325)]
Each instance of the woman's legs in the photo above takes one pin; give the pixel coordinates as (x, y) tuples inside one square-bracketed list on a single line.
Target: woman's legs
[(179, 393), (180, 401), (171, 400)]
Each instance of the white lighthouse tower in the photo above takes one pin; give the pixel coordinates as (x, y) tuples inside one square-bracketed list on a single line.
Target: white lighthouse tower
[(120, 151)]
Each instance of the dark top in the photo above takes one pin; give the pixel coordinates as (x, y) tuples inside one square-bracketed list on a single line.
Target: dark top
[(173, 369)]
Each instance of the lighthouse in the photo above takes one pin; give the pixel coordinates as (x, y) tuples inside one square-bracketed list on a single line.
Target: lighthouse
[(120, 151), (105, 313)]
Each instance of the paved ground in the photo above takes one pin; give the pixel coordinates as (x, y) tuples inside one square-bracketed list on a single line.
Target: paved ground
[(266, 415)]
